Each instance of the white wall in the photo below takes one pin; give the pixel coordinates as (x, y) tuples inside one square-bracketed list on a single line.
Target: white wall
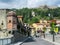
[(3, 18)]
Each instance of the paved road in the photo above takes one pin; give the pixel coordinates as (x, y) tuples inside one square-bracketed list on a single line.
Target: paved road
[(36, 41)]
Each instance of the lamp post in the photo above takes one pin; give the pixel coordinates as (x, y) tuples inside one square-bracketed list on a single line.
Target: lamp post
[(44, 31), (25, 28), (52, 27)]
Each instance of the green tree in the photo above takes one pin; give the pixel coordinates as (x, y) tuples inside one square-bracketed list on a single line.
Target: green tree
[(53, 25)]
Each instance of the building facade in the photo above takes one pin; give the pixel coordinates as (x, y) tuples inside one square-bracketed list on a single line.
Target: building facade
[(11, 21), (3, 20)]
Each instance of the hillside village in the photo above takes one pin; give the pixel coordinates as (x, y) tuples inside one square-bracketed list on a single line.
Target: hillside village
[(13, 24), (29, 22)]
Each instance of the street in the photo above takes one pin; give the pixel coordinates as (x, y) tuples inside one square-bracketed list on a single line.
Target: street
[(36, 41)]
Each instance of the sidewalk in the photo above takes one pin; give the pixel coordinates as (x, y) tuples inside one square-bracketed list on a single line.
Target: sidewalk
[(49, 38), (51, 41)]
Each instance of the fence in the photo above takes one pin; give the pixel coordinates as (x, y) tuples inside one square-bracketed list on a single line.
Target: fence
[(5, 41)]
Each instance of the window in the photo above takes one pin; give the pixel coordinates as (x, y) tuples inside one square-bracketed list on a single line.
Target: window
[(9, 32), (9, 21), (14, 22), (2, 23)]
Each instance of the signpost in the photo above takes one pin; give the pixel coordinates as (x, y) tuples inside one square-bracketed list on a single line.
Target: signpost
[(56, 30)]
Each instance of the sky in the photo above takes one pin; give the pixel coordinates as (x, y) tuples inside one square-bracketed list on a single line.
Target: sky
[(27, 3)]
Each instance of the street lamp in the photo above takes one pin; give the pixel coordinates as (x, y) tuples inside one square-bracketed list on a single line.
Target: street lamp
[(52, 27), (27, 29), (25, 26)]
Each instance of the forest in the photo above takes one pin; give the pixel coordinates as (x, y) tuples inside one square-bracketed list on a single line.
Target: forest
[(38, 14)]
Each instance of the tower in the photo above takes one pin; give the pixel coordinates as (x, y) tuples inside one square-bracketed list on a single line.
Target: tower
[(3, 14), (11, 21), (20, 19)]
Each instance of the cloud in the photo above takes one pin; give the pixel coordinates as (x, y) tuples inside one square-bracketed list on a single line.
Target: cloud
[(19, 3), (32, 3), (13, 4), (36, 3), (27, 3), (3, 5), (6, 1)]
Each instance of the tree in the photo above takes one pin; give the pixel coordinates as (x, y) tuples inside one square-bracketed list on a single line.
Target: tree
[(41, 13), (53, 25)]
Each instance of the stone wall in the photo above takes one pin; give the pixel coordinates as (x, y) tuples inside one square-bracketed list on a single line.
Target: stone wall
[(3, 18)]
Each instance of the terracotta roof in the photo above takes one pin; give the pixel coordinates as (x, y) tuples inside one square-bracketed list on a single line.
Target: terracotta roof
[(19, 16), (42, 23), (58, 23), (11, 13), (52, 20), (38, 23)]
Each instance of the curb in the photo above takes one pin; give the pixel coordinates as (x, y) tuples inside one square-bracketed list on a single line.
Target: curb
[(20, 43), (24, 41), (51, 41)]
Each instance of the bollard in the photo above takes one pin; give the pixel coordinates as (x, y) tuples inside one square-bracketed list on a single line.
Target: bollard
[(44, 35), (53, 37)]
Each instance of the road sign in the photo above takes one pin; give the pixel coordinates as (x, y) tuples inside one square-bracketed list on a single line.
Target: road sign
[(56, 29)]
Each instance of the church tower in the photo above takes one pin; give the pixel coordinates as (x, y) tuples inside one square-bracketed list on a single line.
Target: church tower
[(11, 21)]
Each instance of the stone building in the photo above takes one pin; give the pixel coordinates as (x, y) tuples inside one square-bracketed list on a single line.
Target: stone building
[(20, 19), (11, 21), (8, 20), (3, 21)]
